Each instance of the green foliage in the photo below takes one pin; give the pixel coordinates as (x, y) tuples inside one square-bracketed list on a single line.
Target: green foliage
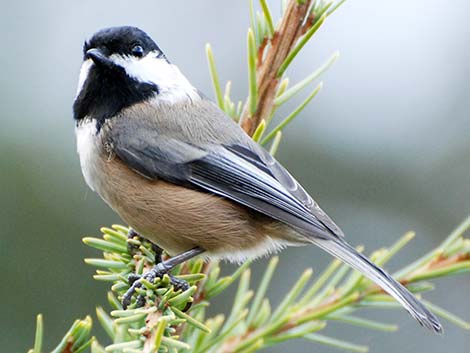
[(77, 339)]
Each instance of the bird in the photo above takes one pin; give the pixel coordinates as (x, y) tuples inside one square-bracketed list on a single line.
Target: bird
[(185, 176)]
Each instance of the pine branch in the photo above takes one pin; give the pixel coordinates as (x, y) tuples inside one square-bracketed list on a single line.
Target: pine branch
[(274, 53), (305, 309), (271, 50)]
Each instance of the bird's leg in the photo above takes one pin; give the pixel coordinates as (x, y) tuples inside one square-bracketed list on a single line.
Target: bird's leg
[(158, 271), (131, 248)]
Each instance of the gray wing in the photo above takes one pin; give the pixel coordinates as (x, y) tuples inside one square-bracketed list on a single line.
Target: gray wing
[(246, 174), (264, 161)]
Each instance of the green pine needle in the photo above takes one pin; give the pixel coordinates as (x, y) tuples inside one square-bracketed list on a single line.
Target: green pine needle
[(361, 322), (39, 334), (276, 143), (258, 134), (263, 287), (214, 77), (253, 87), (268, 17), (333, 342)]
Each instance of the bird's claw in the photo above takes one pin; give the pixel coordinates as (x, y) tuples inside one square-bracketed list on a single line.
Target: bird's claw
[(132, 278), (158, 271)]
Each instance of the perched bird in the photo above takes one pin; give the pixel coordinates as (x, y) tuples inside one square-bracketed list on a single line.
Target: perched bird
[(185, 176)]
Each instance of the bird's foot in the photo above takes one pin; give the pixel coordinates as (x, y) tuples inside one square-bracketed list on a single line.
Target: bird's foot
[(158, 271)]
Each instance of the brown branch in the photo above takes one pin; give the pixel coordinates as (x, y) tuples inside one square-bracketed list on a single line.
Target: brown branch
[(290, 29), (151, 322), (443, 261)]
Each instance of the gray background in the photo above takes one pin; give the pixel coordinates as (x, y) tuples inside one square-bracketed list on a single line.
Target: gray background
[(384, 147)]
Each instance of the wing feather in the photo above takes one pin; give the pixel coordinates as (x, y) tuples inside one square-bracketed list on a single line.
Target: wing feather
[(264, 161), (241, 171)]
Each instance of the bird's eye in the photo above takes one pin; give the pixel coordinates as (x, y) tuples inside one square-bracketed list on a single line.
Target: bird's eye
[(138, 51)]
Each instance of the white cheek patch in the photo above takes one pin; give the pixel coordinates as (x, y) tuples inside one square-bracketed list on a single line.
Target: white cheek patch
[(84, 70), (172, 84)]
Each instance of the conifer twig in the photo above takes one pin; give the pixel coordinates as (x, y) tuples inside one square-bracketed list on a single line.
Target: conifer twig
[(274, 56)]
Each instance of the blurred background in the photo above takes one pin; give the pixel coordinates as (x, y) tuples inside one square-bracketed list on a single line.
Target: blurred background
[(384, 147)]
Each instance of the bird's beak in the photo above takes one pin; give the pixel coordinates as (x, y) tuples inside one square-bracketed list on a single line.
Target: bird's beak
[(99, 58)]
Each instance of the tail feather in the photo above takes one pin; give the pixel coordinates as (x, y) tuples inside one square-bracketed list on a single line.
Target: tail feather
[(359, 262)]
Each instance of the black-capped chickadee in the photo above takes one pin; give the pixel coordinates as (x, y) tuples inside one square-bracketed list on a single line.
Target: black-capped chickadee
[(187, 177)]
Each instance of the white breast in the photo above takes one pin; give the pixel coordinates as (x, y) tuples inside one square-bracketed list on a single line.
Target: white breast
[(88, 149)]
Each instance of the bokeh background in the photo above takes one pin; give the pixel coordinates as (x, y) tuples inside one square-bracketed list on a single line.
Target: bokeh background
[(384, 148)]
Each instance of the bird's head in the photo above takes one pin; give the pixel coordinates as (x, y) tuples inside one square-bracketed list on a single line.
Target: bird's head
[(123, 66)]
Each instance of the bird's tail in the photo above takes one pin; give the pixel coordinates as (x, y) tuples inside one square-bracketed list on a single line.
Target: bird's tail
[(346, 253)]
